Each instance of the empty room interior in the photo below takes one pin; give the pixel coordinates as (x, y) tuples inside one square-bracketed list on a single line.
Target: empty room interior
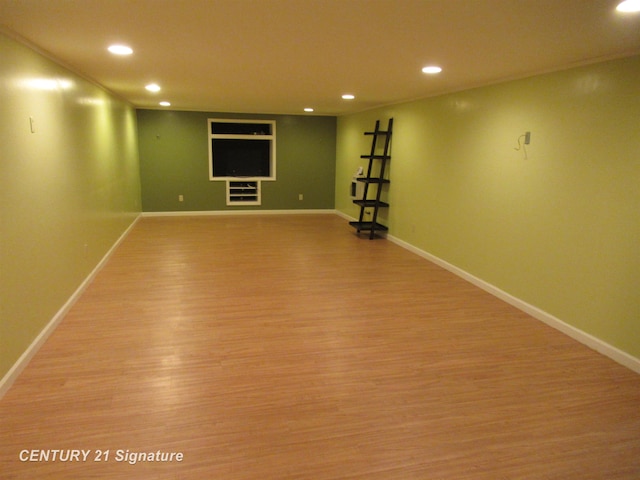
[(320, 239)]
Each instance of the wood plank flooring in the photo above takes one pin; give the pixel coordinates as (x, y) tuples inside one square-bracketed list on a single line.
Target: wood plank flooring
[(285, 347)]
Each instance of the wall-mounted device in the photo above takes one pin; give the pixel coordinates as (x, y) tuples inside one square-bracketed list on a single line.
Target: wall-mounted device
[(523, 141), (357, 188)]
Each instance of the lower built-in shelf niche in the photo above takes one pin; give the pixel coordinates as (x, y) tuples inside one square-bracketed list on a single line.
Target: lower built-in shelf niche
[(243, 192)]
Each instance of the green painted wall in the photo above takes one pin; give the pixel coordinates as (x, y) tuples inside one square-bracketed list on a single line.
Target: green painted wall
[(67, 191), (559, 228), (174, 160)]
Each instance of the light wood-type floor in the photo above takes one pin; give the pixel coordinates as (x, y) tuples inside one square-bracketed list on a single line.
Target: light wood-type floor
[(285, 347)]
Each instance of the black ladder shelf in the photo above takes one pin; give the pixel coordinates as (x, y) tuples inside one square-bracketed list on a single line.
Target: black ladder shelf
[(374, 179)]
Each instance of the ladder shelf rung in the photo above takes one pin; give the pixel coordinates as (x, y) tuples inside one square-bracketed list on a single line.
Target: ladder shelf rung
[(371, 203), (379, 132), (373, 180), (368, 226)]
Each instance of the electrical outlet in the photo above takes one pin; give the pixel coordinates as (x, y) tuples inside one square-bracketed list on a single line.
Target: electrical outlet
[(527, 138), (181, 198), (300, 196)]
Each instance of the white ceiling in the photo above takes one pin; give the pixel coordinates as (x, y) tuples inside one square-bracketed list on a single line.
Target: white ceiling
[(279, 56)]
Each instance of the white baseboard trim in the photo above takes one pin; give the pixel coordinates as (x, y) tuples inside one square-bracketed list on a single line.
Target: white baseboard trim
[(197, 213), (345, 216), (585, 338), (30, 352)]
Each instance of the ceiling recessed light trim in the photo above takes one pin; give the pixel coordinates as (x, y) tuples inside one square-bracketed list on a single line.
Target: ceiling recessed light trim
[(348, 96), (308, 109), (431, 69), (165, 104), (629, 6), (153, 87), (120, 49)]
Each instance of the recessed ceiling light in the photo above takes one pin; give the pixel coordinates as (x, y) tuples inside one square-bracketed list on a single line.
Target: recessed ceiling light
[(153, 87), (165, 104), (348, 96), (308, 109), (629, 6), (120, 50), (431, 69)]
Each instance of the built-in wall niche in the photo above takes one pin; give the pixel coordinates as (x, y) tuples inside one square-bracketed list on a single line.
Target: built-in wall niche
[(243, 192), (242, 149)]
